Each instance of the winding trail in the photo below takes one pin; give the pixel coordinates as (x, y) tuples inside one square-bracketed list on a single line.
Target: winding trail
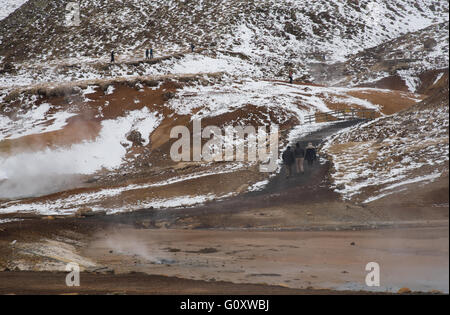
[(310, 187), (312, 174)]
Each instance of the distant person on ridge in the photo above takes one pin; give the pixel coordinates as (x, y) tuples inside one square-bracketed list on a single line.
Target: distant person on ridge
[(310, 154), (112, 56), (299, 157), (192, 47), (291, 77), (288, 160), (147, 53), (151, 53)]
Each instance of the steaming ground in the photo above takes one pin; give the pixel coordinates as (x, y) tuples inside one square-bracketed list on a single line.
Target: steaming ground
[(86, 175), (295, 234), (290, 259), (26, 185), (83, 146), (29, 174)]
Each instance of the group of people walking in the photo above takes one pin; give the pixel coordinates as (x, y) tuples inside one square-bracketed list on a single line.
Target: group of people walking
[(297, 156), (148, 53)]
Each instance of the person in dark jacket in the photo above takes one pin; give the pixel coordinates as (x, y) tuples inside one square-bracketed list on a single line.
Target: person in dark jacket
[(310, 154), (151, 53), (147, 53), (299, 158), (291, 77), (192, 47), (112, 56), (288, 160)]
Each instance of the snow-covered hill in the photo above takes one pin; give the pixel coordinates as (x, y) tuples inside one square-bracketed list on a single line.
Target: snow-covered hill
[(385, 156), (271, 35), (9, 6), (67, 135), (405, 61), (66, 111)]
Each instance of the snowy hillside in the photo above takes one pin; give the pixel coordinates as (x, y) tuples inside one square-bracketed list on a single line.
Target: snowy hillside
[(383, 157), (270, 35), (9, 6), (406, 60), (65, 107), (76, 134)]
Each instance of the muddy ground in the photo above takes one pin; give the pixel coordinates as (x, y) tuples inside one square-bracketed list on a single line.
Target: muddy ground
[(294, 237), (138, 283), (219, 261)]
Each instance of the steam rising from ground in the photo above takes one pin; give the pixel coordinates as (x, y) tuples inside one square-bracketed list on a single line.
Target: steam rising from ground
[(36, 173), (132, 246)]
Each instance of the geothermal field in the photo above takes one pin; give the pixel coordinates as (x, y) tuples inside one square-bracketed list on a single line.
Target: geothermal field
[(144, 147)]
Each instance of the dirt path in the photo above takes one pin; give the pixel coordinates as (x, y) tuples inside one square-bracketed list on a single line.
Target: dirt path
[(314, 174), (101, 63), (309, 187)]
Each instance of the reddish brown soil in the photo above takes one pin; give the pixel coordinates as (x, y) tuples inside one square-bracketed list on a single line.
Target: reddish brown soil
[(428, 77), (78, 129), (138, 283), (85, 126), (391, 102), (393, 82), (305, 202)]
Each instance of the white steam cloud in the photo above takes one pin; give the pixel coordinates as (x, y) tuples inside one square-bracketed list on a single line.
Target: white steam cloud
[(37, 173)]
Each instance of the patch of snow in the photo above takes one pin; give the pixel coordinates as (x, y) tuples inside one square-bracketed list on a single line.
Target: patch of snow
[(258, 186), (9, 220), (64, 207), (106, 151), (426, 178), (411, 81), (9, 6), (389, 152), (438, 77), (33, 121), (110, 90)]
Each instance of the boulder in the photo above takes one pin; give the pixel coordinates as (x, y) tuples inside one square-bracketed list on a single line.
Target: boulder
[(168, 95), (84, 212), (430, 43), (8, 68), (135, 137)]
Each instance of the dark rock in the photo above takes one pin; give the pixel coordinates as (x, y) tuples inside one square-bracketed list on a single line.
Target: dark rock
[(100, 270), (168, 95), (430, 43), (8, 68), (135, 137)]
